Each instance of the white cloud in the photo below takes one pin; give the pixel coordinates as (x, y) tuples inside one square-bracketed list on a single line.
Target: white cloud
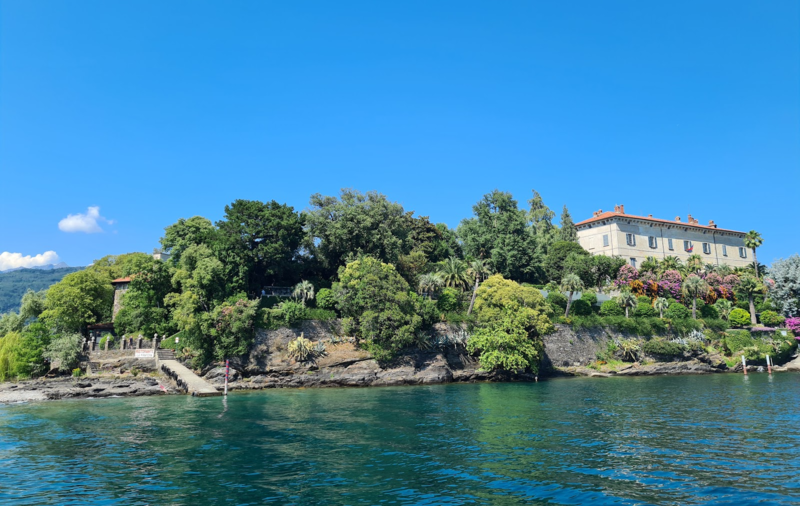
[(87, 223), (10, 260)]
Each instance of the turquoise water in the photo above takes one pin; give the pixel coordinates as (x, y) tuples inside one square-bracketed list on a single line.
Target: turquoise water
[(721, 439)]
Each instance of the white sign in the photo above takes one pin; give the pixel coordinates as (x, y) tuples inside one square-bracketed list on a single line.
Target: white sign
[(141, 353), (783, 333)]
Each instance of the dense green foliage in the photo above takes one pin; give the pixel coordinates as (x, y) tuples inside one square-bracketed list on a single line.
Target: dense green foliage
[(677, 311), (663, 348), (15, 283), (611, 308), (739, 317), (511, 322), (771, 318)]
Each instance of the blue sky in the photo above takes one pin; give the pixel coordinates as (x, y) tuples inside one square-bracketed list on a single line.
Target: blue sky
[(152, 111)]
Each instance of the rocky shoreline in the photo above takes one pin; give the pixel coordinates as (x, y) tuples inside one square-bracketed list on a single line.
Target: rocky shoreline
[(81, 388)]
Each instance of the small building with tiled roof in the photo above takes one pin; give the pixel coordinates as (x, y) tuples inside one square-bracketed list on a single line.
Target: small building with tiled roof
[(634, 238)]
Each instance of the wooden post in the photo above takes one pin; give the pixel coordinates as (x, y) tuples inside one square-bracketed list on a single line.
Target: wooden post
[(744, 365)]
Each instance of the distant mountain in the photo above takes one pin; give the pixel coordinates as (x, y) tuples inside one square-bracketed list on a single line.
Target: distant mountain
[(14, 283), (49, 267)]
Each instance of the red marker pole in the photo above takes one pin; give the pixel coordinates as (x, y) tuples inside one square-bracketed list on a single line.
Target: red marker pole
[(744, 365), (227, 367), (769, 365)]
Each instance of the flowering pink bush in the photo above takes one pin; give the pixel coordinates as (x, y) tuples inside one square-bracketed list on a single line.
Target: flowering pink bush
[(714, 280), (627, 273), (793, 324), (670, 284)]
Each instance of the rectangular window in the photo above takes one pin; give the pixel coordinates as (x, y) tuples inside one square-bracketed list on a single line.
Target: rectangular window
[(669, 244), (651, 241), (688, 246), (742, 252), (724, 250), (706, 248), (590, 243), (605, 240), (633, 262), (630, 239)]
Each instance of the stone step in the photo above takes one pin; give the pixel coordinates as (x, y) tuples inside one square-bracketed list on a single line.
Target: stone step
[(166, 354)]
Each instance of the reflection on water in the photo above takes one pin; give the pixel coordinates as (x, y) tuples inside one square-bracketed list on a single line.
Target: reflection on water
[(724, 439)]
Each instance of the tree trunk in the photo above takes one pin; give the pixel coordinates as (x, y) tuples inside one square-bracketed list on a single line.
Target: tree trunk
[(626, 311), (474, 293), (694, 308), (661, 313), (569, 303), (752, 310), (755, 264)]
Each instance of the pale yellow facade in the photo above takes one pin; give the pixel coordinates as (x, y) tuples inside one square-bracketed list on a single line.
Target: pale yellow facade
[(635, 238)]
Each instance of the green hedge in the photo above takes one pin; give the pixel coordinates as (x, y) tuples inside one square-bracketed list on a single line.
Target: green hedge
[(663, 348)]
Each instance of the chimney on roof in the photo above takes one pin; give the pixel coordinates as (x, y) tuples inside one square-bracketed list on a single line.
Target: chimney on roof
[(622, 209), (712, 224), (678, 219), (693, 221), (649, 215)]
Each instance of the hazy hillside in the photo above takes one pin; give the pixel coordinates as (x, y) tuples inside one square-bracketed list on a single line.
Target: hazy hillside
[(14, 284)]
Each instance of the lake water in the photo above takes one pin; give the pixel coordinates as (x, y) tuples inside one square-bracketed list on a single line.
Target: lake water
[(722, 439)]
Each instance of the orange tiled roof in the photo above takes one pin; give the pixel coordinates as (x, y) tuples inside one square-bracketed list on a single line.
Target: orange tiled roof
[(121, 280), (614, 214)]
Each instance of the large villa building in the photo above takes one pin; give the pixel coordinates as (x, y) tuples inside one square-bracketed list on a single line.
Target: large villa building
[(635, 238)]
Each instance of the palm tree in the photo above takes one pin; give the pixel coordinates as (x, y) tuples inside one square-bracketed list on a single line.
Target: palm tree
[(479, 269), (724, 306), (454, 273), (670, 263), (750, 286), (571, 283), (627, 300), (661, 304), (430, 283), (709, 268), (304, 291), (724, 270), (753, 240), (693, 286), (694, 263)]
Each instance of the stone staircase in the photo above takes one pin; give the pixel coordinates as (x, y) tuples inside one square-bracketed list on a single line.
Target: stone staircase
[(165, 354)]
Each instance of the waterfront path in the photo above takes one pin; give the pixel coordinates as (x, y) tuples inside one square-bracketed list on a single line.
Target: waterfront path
[(187, 380)]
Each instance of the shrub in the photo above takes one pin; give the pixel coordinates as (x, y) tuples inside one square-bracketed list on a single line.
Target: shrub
[(739, 317), (326, 299), (77, 373), (630, 349), (106, 338), (380, 311), (512, 320), (677, 311), (589, 297), (716, 325), (580, 308), (642, 299), (65, 351), (685, 326), (737, 340), (793, 324), (319, 314), (708, 311), (557, 300), (663, 348), (611, 308), (448, 300), (645, 310), (301, 348), (234, 328), (771, 318)]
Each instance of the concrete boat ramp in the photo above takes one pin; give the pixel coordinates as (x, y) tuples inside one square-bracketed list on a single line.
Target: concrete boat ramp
[(184, 377)]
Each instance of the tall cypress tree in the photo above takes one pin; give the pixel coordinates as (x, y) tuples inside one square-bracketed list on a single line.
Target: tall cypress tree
[(568, 231)]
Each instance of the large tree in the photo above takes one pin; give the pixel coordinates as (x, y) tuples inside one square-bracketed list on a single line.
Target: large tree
[(185, 233), (498, 232), (749, 286), (568, 232), (355, 223), (694, 286), (753, 240), (784, 285), (557, 257), (259, 242), (80, 299)]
